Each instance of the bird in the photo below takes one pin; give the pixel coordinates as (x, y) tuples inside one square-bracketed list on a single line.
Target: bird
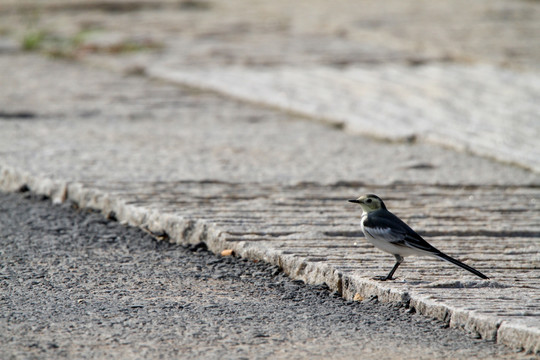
[(390, 234)]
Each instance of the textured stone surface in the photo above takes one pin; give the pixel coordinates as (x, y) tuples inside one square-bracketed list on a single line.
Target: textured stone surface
[(141, 159), (93, 121), (189, 165), (466, 88), (126, 165), (308, 231), (84, 287), (337, 33), (465, 107)]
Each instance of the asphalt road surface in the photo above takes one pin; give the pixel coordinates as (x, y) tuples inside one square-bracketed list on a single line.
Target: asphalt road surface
[(77, 285)]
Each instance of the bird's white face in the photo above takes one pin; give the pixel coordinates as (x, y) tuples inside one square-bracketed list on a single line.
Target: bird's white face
[(369, 203)]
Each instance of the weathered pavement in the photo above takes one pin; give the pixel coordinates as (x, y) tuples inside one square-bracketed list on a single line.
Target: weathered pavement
[(192, 166), (84, 287), (243, 179), (460, 75)]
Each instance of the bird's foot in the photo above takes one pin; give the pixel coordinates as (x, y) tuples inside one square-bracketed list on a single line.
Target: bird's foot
[(382, 278)]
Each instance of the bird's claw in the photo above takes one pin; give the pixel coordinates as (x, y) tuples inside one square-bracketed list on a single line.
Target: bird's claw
[(382, 278)]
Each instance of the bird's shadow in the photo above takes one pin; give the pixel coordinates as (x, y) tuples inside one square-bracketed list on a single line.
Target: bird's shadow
[(471, 284), (449, 284)]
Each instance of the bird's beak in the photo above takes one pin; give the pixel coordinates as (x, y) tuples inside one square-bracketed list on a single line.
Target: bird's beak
[(354, 201)]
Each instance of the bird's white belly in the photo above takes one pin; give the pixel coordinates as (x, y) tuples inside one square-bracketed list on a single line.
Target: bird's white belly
[(385, 245)]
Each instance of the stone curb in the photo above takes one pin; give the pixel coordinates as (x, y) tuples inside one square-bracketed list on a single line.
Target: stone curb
[(182, 230)]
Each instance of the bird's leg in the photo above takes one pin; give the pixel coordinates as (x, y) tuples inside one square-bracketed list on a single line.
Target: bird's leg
[(399, 260)]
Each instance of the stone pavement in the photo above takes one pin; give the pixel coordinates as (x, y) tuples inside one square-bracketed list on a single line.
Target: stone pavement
[(468, 81), (192, 166), (404, 71), (80, 286), (396, 102)]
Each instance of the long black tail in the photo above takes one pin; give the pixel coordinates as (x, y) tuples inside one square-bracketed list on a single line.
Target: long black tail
[(460, 264)]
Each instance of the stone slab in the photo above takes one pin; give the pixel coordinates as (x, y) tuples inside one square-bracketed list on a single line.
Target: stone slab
[(482, 109)]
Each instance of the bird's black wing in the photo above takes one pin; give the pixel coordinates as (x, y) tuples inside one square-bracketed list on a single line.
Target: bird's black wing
[(382, 223)]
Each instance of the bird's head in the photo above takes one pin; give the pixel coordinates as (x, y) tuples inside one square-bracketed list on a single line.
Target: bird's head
[(369, 202)]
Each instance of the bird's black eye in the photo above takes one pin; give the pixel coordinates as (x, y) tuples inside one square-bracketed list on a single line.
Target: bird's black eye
[(369, 201)]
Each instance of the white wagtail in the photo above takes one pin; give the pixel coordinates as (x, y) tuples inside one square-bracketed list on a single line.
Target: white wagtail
[(389, 233)]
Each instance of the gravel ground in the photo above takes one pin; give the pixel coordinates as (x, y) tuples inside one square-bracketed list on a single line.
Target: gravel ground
[(77, 285)]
